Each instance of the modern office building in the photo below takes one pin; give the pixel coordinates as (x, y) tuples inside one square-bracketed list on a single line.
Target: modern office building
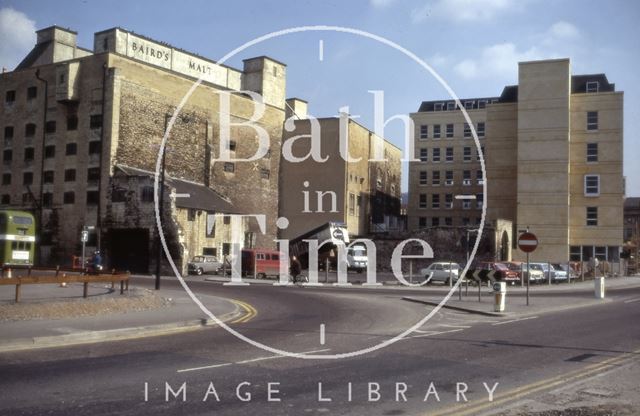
[(364, 194), (552, 146), (81, 133)]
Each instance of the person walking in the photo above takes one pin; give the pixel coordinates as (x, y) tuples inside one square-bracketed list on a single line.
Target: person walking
[(295, 268)]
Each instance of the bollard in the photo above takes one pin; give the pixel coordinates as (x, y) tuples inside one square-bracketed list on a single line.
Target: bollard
[(599, 287), (500, 295), (9, 276)]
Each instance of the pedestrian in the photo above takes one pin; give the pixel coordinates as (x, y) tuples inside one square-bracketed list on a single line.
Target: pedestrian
[(295, 268)]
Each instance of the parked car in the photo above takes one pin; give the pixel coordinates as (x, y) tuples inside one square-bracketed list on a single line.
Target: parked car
[(571, 272), (503, 273), (551, 273), (537, 274), (440, 272), (204, 264)]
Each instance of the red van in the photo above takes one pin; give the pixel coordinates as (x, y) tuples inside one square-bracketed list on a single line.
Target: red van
[(260, 263)]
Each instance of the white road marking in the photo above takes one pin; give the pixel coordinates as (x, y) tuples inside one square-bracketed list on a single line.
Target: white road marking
[(514, 320), (321, 334), (438, 333), (176, 195), (456, 326), (321, 50), (632, 300), (253, 360)]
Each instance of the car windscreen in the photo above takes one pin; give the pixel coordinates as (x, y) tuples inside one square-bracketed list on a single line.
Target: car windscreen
[(197, 259)]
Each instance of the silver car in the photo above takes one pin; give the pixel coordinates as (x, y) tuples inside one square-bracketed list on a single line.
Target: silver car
[(204, 264), (440, 272)]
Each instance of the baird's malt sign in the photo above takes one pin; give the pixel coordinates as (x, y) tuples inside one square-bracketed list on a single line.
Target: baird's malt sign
[(169, 58)]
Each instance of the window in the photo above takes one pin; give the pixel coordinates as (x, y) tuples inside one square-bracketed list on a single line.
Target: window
[(435, 221), (468, 105), (449, 131), (48, 176), (352, 204), (424, 155), (50, 127), (29, 130), (423, 177), (466, 177), (69, 198), (466, 154), (592, 152), (265, 173), (93, 174), (435, 201), (479, 201), (229, 167), (95, 121), (466, 204), (592, 216), (191, 214), (423, 201), (146, 195), (72, 123), (465, 220), (6, 199), (448, 202), (467, 130), (27, 178), (422, 222), (480, 130), (7, 155), (436, 154), (479, 179), (451, 106), (29, 154), (32, 92), (92, 198), (435, 178), (438, 107), (448, 221), (424, 132), (449, 154), (8, 132), (593, 86), (591, 185), (49, 151), (448, 178), (436, 131), (592, 120), (118, 194), (10, 97), (47, 199), (95, 147), (6, 179), (482, 104), (69, 175), (71, 149)]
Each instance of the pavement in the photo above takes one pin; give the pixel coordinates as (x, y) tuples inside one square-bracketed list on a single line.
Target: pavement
[(179, 313)]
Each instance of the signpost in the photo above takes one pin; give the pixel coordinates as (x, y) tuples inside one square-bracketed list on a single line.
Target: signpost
[(528, 242)]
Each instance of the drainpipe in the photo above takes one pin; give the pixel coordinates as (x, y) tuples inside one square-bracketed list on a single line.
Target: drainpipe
[(44, 124)]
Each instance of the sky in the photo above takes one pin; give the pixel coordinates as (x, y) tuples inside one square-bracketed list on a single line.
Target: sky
[(474, 45)]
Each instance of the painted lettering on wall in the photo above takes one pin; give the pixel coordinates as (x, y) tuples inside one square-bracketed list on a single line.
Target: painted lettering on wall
[(142, 49)]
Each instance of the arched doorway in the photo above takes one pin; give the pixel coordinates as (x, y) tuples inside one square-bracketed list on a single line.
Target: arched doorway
[(504, 246)]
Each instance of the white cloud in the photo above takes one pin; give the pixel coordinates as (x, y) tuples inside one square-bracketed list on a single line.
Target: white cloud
[(497, 60), (438, 60), (18, 36), (563, 30), (381, 4), (464, 10)]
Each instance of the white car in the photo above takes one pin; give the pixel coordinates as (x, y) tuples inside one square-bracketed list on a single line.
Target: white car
[(440, 272)]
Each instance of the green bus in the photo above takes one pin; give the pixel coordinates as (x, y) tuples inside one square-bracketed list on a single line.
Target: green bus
[(17, 238)]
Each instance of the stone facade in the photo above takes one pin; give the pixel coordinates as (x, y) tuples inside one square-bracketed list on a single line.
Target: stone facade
[(110, 108)]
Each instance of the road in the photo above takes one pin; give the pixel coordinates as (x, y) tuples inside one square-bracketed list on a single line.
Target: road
[(453, 357)]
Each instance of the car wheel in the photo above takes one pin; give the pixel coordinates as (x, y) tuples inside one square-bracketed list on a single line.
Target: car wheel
[(199, 271)]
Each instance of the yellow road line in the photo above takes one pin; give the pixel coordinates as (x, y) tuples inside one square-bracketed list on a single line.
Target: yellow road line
[(517, 393), (251, 312)]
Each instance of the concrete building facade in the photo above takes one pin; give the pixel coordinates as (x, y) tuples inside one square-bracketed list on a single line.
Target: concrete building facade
[(553, 152), (74, 120)]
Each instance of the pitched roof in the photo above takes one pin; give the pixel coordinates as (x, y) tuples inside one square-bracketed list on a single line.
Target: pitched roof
[(199, 196)]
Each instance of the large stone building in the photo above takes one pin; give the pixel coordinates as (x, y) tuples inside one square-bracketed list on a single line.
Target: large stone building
[(81, 134), (364, 194), (553, 151)]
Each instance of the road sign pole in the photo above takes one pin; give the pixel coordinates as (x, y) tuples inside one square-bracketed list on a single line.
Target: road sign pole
[(528, 278)]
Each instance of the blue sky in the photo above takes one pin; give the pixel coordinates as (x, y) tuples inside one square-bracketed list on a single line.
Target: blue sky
[(473, 44)]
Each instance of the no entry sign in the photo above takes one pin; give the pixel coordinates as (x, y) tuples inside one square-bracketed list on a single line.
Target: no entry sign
[(527, 242)]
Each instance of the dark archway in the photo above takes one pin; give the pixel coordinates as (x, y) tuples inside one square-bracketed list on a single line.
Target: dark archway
[(504, 247)]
